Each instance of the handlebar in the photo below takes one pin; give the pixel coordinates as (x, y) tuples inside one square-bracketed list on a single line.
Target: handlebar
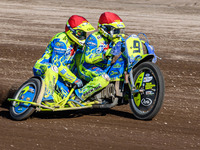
[(144, 40)]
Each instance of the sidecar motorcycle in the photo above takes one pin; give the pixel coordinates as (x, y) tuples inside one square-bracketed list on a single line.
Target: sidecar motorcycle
[(141, 85)]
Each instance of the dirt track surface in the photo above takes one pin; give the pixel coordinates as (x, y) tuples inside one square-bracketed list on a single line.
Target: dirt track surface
[(173, 27)]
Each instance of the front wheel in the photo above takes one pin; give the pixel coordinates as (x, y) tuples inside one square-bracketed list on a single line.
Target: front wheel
[(29, 91), (148, 90)]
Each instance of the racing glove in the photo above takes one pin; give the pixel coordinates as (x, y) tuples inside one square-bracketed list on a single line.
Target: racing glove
[(78, 82), (113, 50), (115, 47)]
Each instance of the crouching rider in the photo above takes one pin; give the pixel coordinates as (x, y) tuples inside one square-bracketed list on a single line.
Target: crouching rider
[(57, 63), (100, 47)]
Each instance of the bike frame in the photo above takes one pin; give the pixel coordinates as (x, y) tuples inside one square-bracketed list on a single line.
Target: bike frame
[(60, 106)]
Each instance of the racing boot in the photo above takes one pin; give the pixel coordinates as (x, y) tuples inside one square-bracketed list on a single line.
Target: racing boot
[(74, 101)]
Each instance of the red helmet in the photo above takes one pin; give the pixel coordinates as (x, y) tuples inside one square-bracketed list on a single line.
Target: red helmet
[(76, 28), (111, 25)]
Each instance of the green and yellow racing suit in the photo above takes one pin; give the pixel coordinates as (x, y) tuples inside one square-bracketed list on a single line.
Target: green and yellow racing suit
[(92, 66), (56, 64)]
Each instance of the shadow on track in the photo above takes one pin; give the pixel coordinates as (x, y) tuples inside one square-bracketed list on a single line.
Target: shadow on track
[(73, 114), (5, 114), (80, 113)]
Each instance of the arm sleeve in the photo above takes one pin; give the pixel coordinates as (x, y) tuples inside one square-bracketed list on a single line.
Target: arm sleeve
[(93, 54), (66, 73), (61, 58), (41, 65)]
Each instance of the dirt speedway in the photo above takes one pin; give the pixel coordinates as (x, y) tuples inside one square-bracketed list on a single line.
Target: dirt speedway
[(172, 26)]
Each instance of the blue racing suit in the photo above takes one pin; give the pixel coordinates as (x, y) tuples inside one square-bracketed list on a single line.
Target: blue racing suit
[(93, 64), (56, 64)]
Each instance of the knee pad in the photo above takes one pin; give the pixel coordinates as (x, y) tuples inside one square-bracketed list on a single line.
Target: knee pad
[(106, 76), (54, 68)]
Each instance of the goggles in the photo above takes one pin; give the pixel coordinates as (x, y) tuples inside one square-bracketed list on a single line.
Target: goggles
[(81, 35), (111, 30), (117, 31)]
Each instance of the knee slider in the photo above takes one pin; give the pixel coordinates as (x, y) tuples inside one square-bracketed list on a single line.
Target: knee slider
[(106, 76), (54, 68)]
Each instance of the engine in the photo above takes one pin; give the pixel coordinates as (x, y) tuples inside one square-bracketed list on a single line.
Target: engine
[(107, 93)]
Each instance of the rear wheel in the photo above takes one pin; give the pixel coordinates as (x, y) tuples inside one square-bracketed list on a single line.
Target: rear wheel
[(146, 100), (29, 91)]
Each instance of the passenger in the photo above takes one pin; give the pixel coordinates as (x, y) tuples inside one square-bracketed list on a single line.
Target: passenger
[(56, 64)]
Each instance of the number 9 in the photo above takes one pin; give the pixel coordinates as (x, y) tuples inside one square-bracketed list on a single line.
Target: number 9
[(136, 46)]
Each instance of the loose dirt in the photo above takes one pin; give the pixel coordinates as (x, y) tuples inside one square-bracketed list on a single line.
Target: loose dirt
[(173, 27)]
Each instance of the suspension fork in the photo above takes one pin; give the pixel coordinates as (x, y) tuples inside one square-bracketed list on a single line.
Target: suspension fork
[(131, 83)]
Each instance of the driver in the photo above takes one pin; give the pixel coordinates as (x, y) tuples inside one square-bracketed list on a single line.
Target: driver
[(57, 63), (100, 48)]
